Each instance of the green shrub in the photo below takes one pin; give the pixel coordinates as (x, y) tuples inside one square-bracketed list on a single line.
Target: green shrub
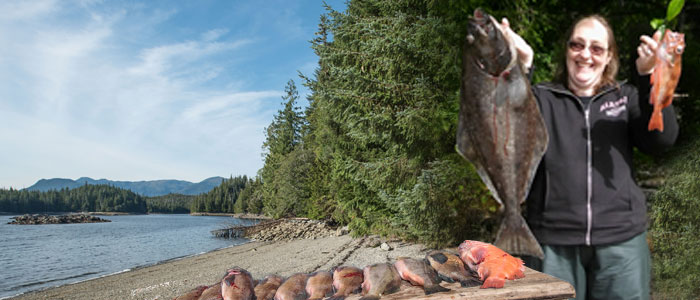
[(675, 228), (448, 204)]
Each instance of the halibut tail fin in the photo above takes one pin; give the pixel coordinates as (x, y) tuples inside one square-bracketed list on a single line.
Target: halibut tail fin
[(515, 237)]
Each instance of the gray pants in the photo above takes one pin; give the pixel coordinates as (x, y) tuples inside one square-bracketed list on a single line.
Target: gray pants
[(618, 271)]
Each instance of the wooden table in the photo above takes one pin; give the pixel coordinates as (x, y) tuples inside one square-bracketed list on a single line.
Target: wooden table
[(534, 285)]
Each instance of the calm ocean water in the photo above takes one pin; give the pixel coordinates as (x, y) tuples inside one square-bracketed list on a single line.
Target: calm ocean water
[(35, 257)]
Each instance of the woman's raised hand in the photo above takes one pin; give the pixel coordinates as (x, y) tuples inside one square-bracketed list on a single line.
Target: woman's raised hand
[(525, 53), (647, 53)]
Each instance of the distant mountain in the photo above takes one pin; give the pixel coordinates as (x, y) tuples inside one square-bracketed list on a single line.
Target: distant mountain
[(144, 188)]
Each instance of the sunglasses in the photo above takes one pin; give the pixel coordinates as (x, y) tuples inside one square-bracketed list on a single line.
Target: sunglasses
[(594, 49)]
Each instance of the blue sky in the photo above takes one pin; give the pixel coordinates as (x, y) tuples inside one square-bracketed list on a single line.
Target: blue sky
[(145, 90)]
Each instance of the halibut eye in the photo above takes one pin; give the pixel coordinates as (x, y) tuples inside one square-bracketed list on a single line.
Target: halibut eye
[(481, 63)]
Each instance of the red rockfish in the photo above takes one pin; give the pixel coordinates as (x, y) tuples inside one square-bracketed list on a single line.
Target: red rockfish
[(492, 264), (667, 71)]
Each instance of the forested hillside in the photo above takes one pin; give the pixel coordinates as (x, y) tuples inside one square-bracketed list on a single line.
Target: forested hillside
[(222, 198), (87, 198), (107, 198), (170, 204)]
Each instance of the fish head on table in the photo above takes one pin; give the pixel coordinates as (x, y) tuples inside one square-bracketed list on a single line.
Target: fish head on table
[(419, 272), (294, 288), (500, 129), (379, 279), (266, 288), (666, 74), (492, 264), (237, 284), (450, 268), (193, 294), (319, 285), (346, 280)]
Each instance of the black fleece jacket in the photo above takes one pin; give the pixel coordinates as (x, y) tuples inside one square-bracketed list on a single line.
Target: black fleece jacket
[(584, 192)]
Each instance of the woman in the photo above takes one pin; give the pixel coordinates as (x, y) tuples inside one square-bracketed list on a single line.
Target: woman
[(584, 206)]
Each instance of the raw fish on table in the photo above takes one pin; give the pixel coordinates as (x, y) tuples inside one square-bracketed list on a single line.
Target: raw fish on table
[(346, 280), (213, 292), (451, 268), (265, 289), (319, 285), (492, 264), (419, 272), (237, 284), (294, 288), (379, 279)]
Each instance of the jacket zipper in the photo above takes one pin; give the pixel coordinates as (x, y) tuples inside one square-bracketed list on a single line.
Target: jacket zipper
[(589, 156), (589, 175)]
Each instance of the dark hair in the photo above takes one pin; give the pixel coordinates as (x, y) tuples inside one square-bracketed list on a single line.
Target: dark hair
[(610, 72)]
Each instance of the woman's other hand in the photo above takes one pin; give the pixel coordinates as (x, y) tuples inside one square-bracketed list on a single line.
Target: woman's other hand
[(647, 53)]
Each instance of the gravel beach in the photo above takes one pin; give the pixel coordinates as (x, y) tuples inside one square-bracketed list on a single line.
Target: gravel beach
[(173, 278)]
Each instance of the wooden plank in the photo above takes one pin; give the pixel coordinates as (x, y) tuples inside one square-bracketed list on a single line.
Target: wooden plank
[(535, 285)]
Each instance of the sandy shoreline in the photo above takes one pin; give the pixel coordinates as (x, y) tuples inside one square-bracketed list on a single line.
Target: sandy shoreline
[(173, 278)]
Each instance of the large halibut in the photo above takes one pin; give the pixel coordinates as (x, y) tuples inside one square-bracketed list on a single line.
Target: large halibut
[(500, 129)]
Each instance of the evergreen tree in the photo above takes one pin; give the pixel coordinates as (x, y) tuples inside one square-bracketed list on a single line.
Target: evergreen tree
[(281, 195), (222, 198), (384, 107)]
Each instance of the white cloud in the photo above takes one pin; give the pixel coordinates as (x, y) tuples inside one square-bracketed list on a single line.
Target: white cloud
[(47, 148), (25, 10), (88, 99), (185, 60), (214, 34), (234, 106)]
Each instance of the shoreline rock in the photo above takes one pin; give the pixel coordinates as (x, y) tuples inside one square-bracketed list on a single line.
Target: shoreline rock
[(295, 228), (60, 219)]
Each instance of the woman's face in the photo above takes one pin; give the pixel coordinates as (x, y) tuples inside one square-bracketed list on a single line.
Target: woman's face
[(586, 56)]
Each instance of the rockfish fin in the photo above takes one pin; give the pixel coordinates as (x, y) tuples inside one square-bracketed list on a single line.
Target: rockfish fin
[(439, 257), (470, 282), (657, 120), (301, 296), (435, 289), (515, 237), (445, 278), (494, 282)]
